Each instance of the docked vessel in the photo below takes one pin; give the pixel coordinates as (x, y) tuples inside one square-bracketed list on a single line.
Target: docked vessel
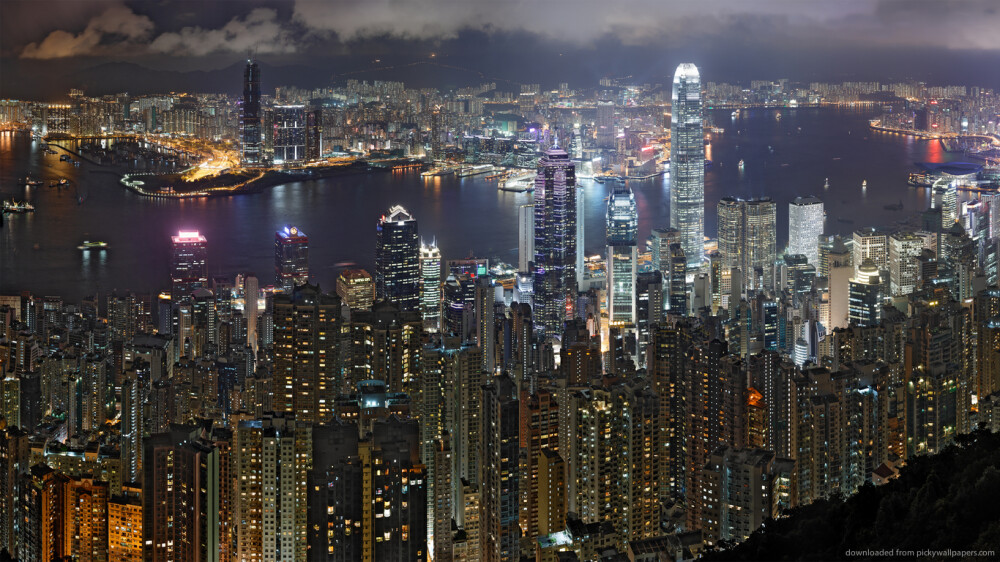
[(95, 246), (919, 179), (519, 184), (434, 172), (466, 171)]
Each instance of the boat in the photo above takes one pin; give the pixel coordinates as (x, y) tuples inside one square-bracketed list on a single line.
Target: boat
[(96, 246), (919, 179), (519, 184), (435, 172), (864, 185), (735, 114), (741, 164), (826, 184), (11, 206), (466, 171), (65, 158), (777, 116), (32, 183)]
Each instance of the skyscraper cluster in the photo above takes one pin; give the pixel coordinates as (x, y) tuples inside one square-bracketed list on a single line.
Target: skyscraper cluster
[(445, 408)]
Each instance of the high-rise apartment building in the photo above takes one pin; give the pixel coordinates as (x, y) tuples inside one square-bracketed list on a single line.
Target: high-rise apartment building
[(397, 259), (306, 376), (555, 241), (687, 163), (500, 480), (291, 258)]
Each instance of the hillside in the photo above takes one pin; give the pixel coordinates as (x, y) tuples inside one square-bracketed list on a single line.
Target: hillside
[(939, 502)]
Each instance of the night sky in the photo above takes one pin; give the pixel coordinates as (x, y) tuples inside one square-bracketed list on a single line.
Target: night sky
[(47, 47)]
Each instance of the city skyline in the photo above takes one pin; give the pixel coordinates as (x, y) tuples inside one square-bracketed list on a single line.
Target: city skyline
[(655, 315)]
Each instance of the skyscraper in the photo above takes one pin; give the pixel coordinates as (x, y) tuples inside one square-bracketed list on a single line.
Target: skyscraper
[(430, 286), (555, 240), (251, 292), (605, 124), (747, 238), (805, 226), (622, 231), (289, 133), (865, 304), (187, 268), (291, 258), (500, 505), (687, 163), (525, 236), (250, 130), (397, 259), (356, 289)]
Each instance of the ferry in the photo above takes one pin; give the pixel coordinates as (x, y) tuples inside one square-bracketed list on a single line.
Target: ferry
[(735, 114), (466, 171), (434, 172), (32, 183), (741, 164), (11, 206), (864, 185), (96, 246), (519, 184), (826, 184), (919, 179)]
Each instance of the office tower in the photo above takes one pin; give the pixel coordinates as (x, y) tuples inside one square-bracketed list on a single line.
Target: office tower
[(500, 483), (870, 243), (605, 125), (649, 308), (251, 153), (747, 239), (555, 241), (525, 237), (437, 147), (904, 268), (271, 459), (291, 258), (430, 286), (306, 353), (865, 295), (397, 259), (188, 272), (734, 510), (383, 344), (288, 123), (125, 525), (687, 163), (356, 289), (805, 225), (840, 270), (622, 227), (677, 280), (660, 240), (251, 293), (180, 496), (368, 496)]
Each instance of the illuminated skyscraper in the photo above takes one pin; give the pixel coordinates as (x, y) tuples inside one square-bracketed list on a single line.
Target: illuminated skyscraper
[(805, 226), (525, 236), (356, 288), (747, 238), (250, 130), (555, 240), (904, 271), (687, 163), (397, 259), (187, 268), (291, 258), (605, 124), (251, 292), (622, 231), (289, 126), (430, 286), (865, 305)]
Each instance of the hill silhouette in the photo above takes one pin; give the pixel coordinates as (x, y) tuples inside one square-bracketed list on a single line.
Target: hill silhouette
[(939, 502)]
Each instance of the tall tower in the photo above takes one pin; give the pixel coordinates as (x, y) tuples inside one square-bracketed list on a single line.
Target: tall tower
[(622, 231), (500, 504), (805, 226), (250, 130), (555, 240), (251, 292), (430, 286), (291, 258), (397, 259), (525, 236), (747, 238), (187, 268), (687, 163)]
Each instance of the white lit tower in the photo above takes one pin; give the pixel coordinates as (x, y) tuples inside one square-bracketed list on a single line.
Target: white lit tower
[(555, 241), (622, 231), (687, 163), (430, 285), (805, 226)]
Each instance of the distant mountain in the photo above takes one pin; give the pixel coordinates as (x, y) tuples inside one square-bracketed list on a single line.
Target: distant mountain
[(939, 502)]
